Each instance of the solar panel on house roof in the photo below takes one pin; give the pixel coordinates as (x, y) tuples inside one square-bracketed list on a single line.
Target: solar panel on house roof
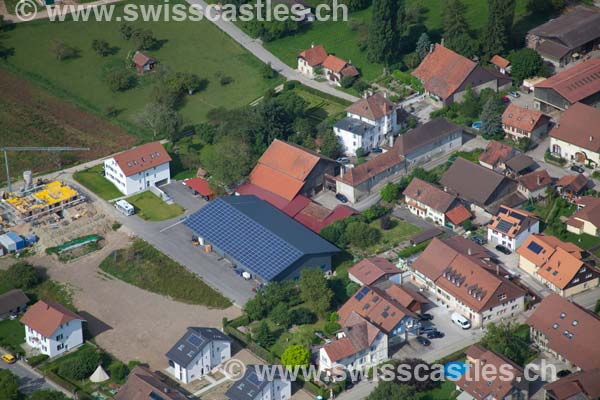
[(504, 226), (502, 210), (195, 340), (155, 396), (536, 248), (518, 216), (253, 379), (359, 296)]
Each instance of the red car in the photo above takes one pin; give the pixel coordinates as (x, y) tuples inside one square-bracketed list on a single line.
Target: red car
[(506, 99)]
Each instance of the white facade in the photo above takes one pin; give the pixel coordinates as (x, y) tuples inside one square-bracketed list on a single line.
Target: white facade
[(515, 242), (139, 182), (573, 153), (423, 211), (305, 69), (67, 337), (212, 355), (371, 356)]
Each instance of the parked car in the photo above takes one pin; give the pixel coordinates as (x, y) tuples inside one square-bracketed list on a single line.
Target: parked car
[(377, 150), (428, 329), (426, 317), (516, 95), (9, 358), (506, 99), (461, 321), (479, 240), (435, 335), (423, 340), (503, 249), (577, 169), (341, 198), (343, 160)]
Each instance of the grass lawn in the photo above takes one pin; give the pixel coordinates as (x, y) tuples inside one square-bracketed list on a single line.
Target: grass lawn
[(12, 333), (145, 267), (197, 47), (320, 108), (93, 179), (445, 392), (53, 291), (150, 207), (390, 238)]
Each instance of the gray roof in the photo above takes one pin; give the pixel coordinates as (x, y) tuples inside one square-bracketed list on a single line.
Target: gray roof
[(251, 383), (193, 342), (572, 29), (353, 125), (12, 299), (520, 162), (425, 134)]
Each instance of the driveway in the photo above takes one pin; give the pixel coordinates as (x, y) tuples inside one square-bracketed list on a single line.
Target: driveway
[(29, 380), (183, 196)]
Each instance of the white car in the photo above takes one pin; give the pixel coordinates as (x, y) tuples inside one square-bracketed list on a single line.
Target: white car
[(461, 321)]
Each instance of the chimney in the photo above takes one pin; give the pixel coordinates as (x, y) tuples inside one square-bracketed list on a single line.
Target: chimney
[(431, 47), (385, 94), (469, 252), (365, 94), (539, 180), (442, 42), (391, 141), (350, 62), (591, 138), (497, 269), (312, 45)]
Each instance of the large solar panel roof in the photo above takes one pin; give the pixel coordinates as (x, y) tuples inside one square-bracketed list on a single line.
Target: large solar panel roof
[(504, 226), (535, 247), (256, 235)]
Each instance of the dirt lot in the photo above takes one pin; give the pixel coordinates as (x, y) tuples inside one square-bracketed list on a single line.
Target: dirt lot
[(37, 118)]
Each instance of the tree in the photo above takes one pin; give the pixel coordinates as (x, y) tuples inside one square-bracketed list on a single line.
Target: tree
[(423, 45), (9, 386), (119, 79), (503, 339), (161, 120), (22, 275), (117, 371), (348, 81), (101, 47), (491, 119), (295, 356), (143, 39), (268, 72), (126, 31), (48, 395), (62, 51), (263, 335), (525, 63), (388, 390), (332, 325), (314, 290), (361, 235), (545, 6), (281, 315), (228, 161), (81, 366), (470, 106), (383, 38), (454, 21), (331, 145), (390, 192), (303, 316), (256, 308), (501, 14)]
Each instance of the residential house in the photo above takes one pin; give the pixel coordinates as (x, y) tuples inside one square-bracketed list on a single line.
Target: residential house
[(572, 187), (315, 61), (446, 76), (198, 352), (462, 277), (311, 59), (143, 63), (520, 164), (370, 271), (558, 265), (52, 329), (511, 227), (534, 185), (475, 386), (587, 217), (519, 122), (255, 386), (566, 331), (143, 384), (496, 154), (565, 38), (578, 84), (259, 239), (138, 169), (13, 302), (427, 201), (583, 385), (501, 64), (576, 137), (336, 69), (481, 188), (369, 123)]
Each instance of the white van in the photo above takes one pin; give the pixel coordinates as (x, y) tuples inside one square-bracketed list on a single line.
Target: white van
[(461, 321)]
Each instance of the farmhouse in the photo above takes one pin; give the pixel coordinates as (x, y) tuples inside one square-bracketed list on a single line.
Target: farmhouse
[(587, 217), (13, 302), (446, 76), (370, 271), (428, 141), (461, 277), (576, 138), (143, 384), (571, 187), (512, 226), (315, 61), (253, 386), (566, 331), (566, 38), (197, 352), (557, 264), (143, 63), (259, 239), (583, 385), (138, 169), (580, 83), (496, 155), (535, 184), (52, 329), (519, 122)]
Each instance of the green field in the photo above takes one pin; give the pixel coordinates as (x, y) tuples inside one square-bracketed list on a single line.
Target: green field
[(197, 47), (12, 334), (390, 238), (152, 208), (93, 179)]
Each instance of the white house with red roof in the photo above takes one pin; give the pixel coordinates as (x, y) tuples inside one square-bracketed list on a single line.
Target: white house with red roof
[(52, 328), (138, 169), (333, 68)]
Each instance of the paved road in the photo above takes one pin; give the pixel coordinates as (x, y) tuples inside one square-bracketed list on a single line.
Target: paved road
[(29, 380), (255, 47)]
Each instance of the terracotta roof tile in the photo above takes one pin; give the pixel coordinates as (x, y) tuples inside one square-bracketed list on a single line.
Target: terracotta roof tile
[(544, 248), (315, 55), (573, 183), (349, 70), (141, 383), (199, 185), (275, 181), (561, 268), (500, 61), (429, 194), (46, 317), (578, 126), (589, 211), (517, 220), (523, 118), (458, 214), (536, 180), (334, 63), (585, 383), (497, 153), (141, 59), (576, 83), (142, 158), (370, 270), (375, 166), (290, 159), (373, 107)]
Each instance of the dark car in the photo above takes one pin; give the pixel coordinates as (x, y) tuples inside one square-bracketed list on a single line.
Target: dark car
[(562, 373), (377, 150), (578, 169), (435, 335), (426, 317), (341, 198), (428, 329), (479, 240), (503, 249), (423, 340)]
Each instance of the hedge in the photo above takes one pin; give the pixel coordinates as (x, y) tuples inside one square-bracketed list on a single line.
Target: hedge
[(409, 251), (37, 360)]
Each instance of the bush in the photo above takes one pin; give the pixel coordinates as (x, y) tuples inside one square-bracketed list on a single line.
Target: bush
[(22, 275), (101, 47), (63, 51), (549, 157), (386, 223), (362, 235), (409, 251), (225, 80), (348, 81), (291, 85), (375, 212), (119, 79), (117, 371), (81, 366), (115, 226), (390, 192), (303, 316), (37, 360)]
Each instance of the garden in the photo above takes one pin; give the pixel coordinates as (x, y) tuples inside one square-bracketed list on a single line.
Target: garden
[(93, 179), (152, 208)]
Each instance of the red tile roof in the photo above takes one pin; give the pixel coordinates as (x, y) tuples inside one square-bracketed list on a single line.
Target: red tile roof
[(548, 245), (141, 383), (142, 158), (46, 317), (576, 83), (579, 126), (140, 59), (589, 211), (316, 217), (349, 70), (523, 118), (497, 153), (458, 214), (429, 194), (370, 270), (315, 55), (443, 71), (536, 180), (375, 166), (334, 63), (359, 335), (199, 185), (585, 383), (500, 61), (518, 221), (573, 183), (373, 107)]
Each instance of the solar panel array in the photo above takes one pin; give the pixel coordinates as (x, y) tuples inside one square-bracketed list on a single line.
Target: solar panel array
[(362, 293), (248, 242), (195, 340), (534, 247), (504, 226), (155, 396)]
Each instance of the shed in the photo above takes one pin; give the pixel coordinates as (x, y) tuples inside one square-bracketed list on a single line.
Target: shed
[(201, 187), (12, 242), (143, 63)]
